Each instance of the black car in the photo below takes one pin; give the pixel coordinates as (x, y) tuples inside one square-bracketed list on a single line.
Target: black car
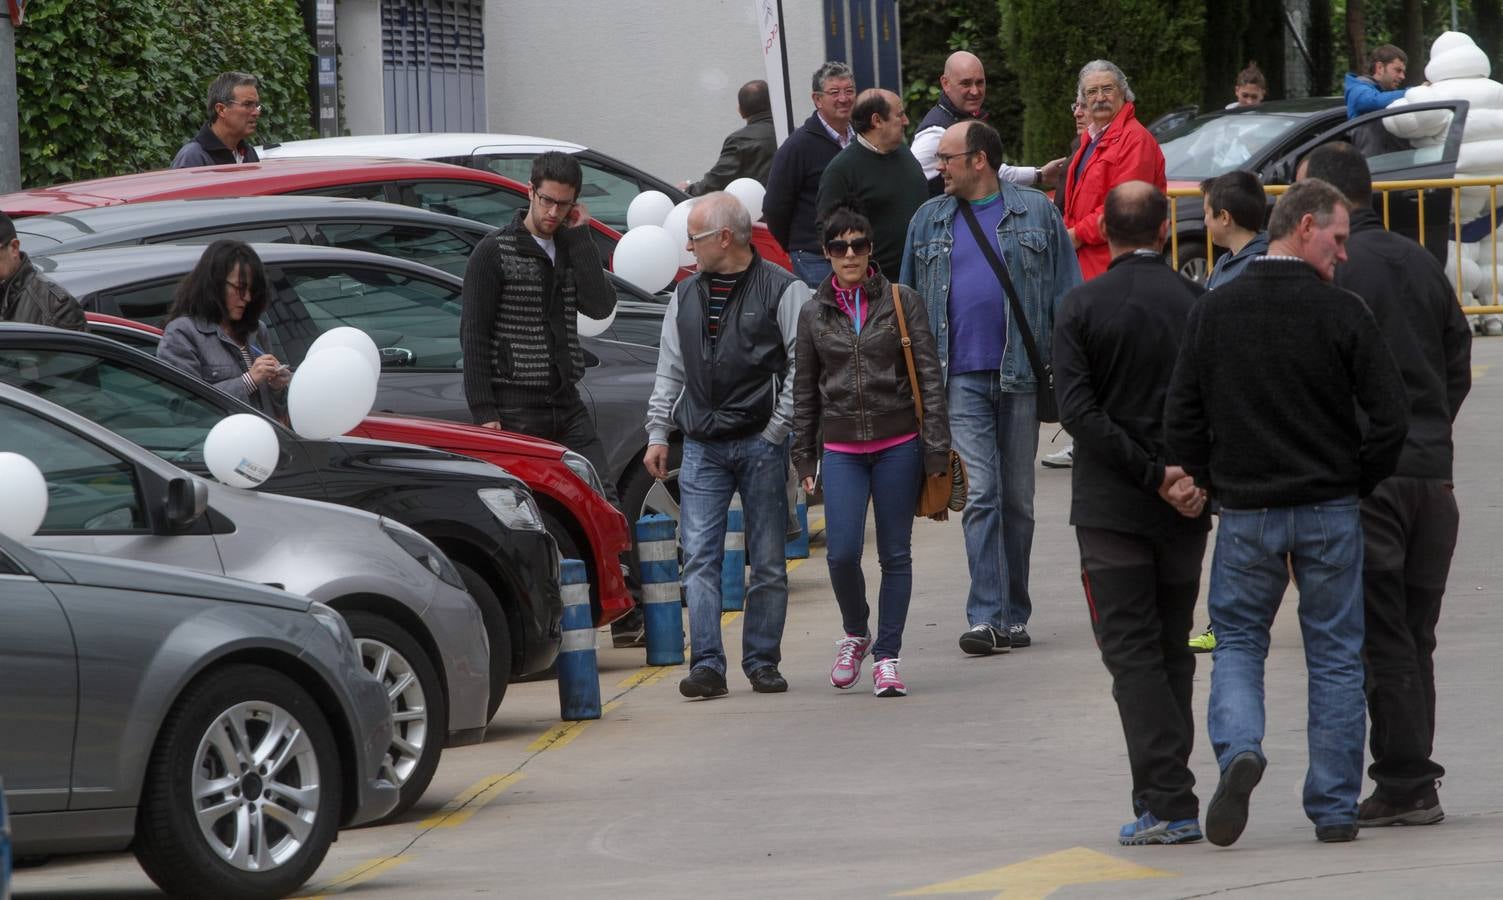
[(1270, 139), (483, 518)]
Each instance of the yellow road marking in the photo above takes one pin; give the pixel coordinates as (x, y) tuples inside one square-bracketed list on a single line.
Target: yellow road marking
[(563, 733), (1036, 878), (469, 801), (727, 618), (354, 875), (1480, 370)]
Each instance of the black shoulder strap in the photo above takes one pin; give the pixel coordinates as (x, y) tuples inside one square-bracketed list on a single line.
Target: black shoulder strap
[(990, 252)]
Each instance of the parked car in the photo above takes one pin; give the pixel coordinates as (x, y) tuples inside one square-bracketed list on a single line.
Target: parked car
[(1270, 139), (222, 730), (609, 187), (412, 312), (416, 627), (482, 517)]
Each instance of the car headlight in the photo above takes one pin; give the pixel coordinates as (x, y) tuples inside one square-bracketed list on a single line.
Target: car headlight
[(516, 509), (330, 618), (586, 472), (425, 552)]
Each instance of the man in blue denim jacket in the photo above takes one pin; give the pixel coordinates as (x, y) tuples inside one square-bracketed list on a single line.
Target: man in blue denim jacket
[(991, 386)]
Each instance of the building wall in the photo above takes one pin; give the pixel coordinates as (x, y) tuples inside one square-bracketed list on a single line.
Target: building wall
[(357, 30), (652, 81)]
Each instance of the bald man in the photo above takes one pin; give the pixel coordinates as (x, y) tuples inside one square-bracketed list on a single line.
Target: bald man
[(879, 174), (962, 91)]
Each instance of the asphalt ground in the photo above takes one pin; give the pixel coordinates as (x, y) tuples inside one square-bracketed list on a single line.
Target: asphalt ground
[(1003, 776)]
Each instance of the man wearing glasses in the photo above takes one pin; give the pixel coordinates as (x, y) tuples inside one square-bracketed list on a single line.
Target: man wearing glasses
[(793, 185), (234, 108), (523, 287)]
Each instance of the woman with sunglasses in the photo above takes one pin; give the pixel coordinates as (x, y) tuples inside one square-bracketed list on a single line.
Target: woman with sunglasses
[(214, 330), (851, 391)]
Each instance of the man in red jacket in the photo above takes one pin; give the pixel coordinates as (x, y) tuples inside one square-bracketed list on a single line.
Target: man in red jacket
[(1115, 148)]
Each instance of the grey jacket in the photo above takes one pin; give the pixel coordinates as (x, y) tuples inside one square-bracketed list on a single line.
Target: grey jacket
[(205, 351), (28, 296)]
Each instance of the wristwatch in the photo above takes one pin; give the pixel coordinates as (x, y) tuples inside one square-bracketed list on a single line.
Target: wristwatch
[(1038, 175)]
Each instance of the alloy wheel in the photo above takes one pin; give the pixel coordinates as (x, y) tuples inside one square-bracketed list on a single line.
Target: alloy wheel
[(409, 708)]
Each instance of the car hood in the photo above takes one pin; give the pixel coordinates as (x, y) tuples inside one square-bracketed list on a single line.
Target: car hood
[(96, 571), (456, 437)]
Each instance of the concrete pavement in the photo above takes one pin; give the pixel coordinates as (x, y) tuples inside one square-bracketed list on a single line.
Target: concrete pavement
[(1003, 776)]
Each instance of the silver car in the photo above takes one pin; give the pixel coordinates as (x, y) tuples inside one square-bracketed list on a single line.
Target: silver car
[(418, 631), (222, 729)]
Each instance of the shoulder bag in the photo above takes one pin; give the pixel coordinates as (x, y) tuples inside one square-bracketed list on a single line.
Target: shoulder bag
[(945, 491)]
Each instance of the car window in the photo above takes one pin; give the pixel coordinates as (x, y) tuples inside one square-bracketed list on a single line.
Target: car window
[(365, 190), (436, 247), (1220, 144), (133, 402), (644, 330), (147, 303), (130, 337), (251, 234), (414, 321), (517, 168), (492, 204), (88, 487), (607, 193)]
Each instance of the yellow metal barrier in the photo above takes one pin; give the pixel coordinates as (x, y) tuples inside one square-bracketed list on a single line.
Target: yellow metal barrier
[(1383, 188)]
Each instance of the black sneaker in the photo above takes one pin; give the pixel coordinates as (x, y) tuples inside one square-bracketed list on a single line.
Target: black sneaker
[(1018, 636), (1377, 810), (767, 680), (1336, 834), (981, 640), (1227, 814), (703, 681)]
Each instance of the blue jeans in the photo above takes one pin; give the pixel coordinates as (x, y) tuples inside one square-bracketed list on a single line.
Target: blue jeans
[(1248, 577), (711, 472), (850, 479), (997, 436), (811, 268)]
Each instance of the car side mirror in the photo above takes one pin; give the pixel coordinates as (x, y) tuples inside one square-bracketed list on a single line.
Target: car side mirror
[(187, 498)]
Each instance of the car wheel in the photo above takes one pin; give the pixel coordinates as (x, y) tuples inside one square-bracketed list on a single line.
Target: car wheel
[(1192, 261), (419, 711), (242, 791), (645, 495), (500, 634)]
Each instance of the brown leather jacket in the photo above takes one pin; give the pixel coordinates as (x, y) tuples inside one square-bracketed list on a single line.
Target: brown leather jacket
[(855, 388)]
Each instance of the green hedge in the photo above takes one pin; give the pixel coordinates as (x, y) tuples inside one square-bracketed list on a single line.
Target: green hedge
[(106, 87)]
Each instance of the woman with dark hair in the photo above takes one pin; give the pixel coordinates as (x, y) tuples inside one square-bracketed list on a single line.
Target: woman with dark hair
[(851, 389), (214, 330)]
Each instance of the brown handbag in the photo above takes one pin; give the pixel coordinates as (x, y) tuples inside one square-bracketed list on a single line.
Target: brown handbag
[(945, 491)]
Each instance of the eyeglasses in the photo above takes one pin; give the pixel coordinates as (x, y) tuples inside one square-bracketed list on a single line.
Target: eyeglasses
[(838, 247), (248, 105), (694, 238), (837, 93), (1103, 92), (944, 158), (547, 202), (238, 288)]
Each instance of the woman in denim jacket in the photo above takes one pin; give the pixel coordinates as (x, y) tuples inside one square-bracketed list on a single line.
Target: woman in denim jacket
[(851, 390), (214, 330)]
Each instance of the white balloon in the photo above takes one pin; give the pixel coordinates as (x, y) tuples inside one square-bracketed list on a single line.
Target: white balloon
[(242, 450), (677, 226), (588, 327), (648, 208), (330, 393), (646, 257), (751, 193), (355, 339), (25, 492)]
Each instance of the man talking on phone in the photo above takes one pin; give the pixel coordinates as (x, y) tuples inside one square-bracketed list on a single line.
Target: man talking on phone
[(522, 288)]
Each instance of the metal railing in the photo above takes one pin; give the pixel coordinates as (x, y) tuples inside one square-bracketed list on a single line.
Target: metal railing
[(1385, 190)]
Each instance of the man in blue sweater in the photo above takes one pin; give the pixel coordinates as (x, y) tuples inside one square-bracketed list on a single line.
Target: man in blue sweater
[(1381, 86)]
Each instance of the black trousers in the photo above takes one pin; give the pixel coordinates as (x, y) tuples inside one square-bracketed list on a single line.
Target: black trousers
[(1141, 593), (563, 419), (1409, 527)]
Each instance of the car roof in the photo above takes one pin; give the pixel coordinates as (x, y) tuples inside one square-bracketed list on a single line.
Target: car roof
[(416, 146), (135, 220), (270, 176)]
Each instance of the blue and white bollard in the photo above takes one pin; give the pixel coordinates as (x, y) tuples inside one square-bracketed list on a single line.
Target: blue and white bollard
[(798, 548), (662, 609), (733, 566), (578, 676)]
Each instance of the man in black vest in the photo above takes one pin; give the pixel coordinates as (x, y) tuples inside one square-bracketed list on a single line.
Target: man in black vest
[(725, 380), (1410, 520), (1139, 519)]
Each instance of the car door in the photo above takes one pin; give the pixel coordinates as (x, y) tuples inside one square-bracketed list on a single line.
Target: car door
[(39, 671)]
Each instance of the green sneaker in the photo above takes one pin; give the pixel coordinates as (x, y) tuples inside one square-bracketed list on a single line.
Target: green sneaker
[(1204, 643)]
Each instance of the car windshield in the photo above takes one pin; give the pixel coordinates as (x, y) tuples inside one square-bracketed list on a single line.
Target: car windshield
[(1214, 145)]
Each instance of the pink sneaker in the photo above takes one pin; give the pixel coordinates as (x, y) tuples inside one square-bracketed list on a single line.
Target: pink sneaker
[(851, 651), (885, 680)]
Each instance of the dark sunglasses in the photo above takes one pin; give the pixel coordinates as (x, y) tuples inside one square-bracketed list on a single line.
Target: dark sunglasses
[(837, 247)]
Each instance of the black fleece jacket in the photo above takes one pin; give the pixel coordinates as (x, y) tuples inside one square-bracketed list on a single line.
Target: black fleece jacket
[(793, 185), (1416, 309), (1261, 404)]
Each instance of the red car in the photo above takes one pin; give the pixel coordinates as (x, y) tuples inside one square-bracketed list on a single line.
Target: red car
[(454, 190), (584, 525)]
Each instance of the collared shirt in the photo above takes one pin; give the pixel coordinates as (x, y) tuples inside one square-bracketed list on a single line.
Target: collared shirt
[(841, 139), (861, 139)]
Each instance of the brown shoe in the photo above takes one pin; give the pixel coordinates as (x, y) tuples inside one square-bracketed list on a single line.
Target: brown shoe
[(1423, 809)]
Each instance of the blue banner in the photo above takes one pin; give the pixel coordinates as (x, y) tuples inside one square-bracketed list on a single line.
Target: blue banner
[(834, 30), (863, 56), (885, 24)]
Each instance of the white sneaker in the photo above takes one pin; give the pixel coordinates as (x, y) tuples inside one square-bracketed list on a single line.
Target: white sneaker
[(1060, 459)]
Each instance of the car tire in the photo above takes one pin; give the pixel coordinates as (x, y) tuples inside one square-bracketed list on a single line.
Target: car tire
[(419, 709), (499, 630), (634, 496), (189, 850), (1192, 261)]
